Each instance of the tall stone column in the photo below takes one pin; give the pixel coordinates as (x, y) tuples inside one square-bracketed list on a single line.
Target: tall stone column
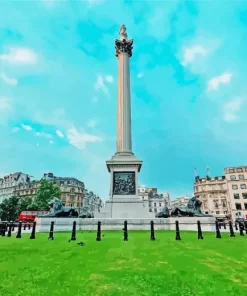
[(123, 53)]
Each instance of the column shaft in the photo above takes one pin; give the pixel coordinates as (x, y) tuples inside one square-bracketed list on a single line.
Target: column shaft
[(124, 143)]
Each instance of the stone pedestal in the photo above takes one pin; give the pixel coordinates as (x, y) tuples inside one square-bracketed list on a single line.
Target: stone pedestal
[(185, 224)]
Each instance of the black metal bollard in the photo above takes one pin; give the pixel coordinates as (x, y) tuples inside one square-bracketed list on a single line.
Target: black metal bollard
[(98, 238), (125, 230), (29, 226), (245, 226), (19, 231), (224, 225), (236, 225), (232, 234), (152, 237), (241, 229), (178, 237), (73, 235), (24, 227), (219, 225), (13, 227), (5, 227), (199, 230), (9, 231), (51, 233), (33, 231), (218, 235)]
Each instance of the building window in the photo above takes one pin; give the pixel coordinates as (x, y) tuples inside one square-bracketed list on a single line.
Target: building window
[(233, 177), (150, 210), (241, 177), (225, 212), (244, 195), (238, 206), (223, 204), (243, 186), (236, 196), (231, 170), (155, 210), (239, 170), (155, 204), (234, 187), (160, 204), (245, 206), (217, 212)]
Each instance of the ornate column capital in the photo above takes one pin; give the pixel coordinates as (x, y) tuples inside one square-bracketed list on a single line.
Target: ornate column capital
[(124, 46)]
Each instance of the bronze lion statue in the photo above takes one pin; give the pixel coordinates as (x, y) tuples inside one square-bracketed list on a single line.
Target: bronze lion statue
[(58, 210)]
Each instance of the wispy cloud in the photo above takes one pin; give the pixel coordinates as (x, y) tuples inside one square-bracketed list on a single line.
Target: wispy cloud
[(231, 109), (26, 127), (15, 129), (100, 85), (91, 123), (5, 104), (109, 78), (19, 56), (8, 80), (190, 53), (44, 135), (60, 134), (216, 81), (80, 140)]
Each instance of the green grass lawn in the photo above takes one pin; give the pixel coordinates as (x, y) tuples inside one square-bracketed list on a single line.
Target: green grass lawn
[(114, 267)]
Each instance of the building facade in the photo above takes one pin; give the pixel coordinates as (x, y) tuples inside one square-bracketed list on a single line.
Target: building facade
[(213, 193), (72, 190), (179, 201), (153, 199), (237, 190), (10, 182)]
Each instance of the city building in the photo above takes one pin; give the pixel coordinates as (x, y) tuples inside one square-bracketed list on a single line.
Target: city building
[(92, 202), (72, 190), (8, 184), (213, 193), (236, 178), (179, 201), (153, 199), (28, 189)]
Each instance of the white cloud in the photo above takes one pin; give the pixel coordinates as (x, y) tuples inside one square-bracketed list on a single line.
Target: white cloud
[(231, 109), (139, 75), (51, 142), (5, 104), (45, 135), (109, 78), (79, 140), (19, 56), (5, 109), (91, 123), (26, 127), (190, 53), (8, 80), (216, 81), (100, 86), (15, 129), (60, 134)]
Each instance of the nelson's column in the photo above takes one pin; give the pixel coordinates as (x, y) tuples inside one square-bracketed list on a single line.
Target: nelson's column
[(124, 167)]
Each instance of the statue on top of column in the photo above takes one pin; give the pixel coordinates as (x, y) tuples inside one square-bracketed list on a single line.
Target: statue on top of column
[(123, 34)]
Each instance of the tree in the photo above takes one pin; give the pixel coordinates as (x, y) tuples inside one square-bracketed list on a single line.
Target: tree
[(46, 191), (9, 209)]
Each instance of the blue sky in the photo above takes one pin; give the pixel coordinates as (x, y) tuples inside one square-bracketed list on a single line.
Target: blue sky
[(58, 88)]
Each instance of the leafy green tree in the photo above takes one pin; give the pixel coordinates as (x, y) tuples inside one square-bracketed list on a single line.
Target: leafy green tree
[(25, 203), (46, 191), (9, 209)]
